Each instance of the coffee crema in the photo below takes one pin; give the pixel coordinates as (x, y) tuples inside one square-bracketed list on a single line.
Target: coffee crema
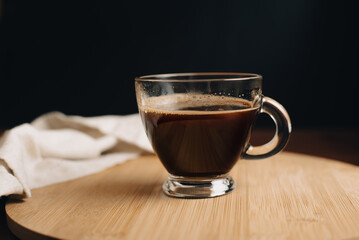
[(197, 136)]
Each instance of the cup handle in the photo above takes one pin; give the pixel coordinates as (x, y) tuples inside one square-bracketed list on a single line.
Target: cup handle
[(283, 129)]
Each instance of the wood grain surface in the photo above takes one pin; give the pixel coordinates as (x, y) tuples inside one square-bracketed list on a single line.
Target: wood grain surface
[(289, 196)]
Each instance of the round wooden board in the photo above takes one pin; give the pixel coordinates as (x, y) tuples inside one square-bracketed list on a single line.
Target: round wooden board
[(289, 196)]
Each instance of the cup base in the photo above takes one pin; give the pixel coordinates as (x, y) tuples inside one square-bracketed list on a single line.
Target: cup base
[(189, 187)]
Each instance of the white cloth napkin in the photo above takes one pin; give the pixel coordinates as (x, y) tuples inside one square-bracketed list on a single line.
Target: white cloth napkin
[(56, 148)]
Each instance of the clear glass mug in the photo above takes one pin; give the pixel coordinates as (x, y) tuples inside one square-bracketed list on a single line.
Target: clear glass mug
[(199, 125)]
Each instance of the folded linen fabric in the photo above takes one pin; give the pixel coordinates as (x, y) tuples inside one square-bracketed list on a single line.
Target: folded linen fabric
[(56, 148)]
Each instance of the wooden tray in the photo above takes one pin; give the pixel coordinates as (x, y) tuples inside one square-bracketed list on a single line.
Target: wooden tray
[(289, 196)]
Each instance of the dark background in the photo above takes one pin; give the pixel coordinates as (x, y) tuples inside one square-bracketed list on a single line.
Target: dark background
[(81, 57)]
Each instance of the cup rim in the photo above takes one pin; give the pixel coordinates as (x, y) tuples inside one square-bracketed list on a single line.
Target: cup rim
[(176, 77)]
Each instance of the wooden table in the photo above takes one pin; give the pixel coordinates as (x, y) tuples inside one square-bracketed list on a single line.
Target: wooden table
[(340, 144)]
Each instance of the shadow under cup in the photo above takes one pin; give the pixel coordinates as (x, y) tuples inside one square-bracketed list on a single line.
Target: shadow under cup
[(199, 125)]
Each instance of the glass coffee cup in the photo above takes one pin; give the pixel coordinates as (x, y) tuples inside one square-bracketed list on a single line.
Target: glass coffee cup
[(199, 125)]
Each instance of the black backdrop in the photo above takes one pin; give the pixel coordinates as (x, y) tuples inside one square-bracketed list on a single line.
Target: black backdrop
[(81, 57)]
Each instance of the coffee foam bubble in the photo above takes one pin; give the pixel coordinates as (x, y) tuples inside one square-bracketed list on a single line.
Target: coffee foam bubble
[(171, 103)]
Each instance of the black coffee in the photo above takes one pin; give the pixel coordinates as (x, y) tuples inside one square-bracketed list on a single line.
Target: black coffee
[(201, 140)]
